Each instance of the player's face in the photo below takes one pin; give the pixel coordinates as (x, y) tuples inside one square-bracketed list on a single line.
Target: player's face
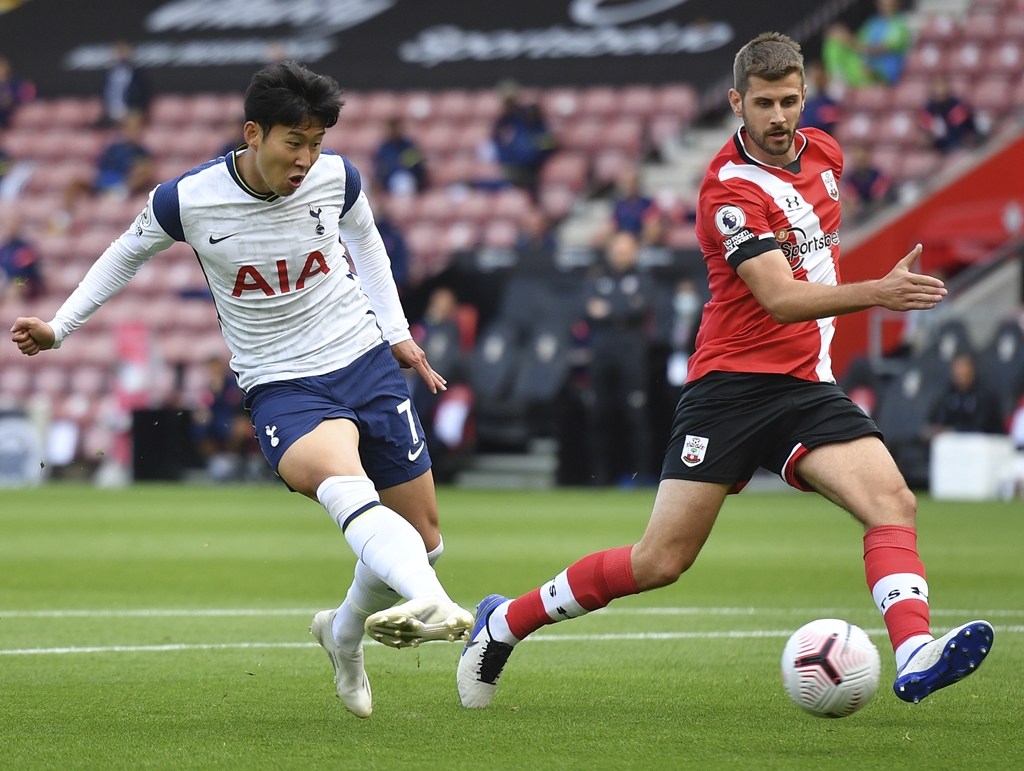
[(771, 112), (281, 159)]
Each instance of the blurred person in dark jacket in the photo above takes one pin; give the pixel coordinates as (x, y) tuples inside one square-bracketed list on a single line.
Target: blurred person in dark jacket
[(400, 167), (19, 261), (14, 92), (125, 89), (866, 188), (522, 140), (967, 404), (948, 122)]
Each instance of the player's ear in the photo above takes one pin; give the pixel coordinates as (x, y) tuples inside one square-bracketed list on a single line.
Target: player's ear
[(252, 133), (736, 102)]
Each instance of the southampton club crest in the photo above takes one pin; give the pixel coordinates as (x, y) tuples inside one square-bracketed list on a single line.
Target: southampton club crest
[(830, 184), (694, 449)]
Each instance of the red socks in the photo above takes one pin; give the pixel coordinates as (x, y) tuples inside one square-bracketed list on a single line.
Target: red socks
[(896, 579), (587, 585)]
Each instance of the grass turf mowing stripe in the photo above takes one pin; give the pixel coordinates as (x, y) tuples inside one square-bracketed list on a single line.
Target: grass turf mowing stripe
[(629, 636), (201, 612)]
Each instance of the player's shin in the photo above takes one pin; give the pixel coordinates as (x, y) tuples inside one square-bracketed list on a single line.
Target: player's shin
[(366, 596), (585, 586), (896, 578), (382, 539)]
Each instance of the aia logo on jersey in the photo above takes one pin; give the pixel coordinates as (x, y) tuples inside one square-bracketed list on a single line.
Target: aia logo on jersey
[(694, 449), (830, 184), (250, 279)]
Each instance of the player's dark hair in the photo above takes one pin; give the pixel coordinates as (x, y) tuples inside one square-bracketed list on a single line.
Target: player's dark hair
[(770, 56), (288, 94)]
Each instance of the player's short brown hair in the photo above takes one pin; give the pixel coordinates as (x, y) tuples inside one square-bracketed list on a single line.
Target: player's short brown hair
[(770, 56)]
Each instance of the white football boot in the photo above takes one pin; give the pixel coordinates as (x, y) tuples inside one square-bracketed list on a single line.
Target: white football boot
[(483, 658), (944, 661), (418, 621), (349, 675)]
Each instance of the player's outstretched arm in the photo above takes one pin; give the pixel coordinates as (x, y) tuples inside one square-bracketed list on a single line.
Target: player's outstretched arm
[(408, 354), (32, 335), (788, 301)]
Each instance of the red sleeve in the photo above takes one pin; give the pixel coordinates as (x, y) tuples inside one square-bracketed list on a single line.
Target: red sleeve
[(733, 220)]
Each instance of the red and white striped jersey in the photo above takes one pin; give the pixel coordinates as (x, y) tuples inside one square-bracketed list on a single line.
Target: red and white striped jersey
[(746, 209)]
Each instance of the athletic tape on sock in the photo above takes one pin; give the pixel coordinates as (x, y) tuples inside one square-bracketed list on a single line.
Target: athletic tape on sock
[(897, 587)]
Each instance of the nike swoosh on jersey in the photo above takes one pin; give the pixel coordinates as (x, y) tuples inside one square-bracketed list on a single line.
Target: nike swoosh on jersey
[(223, 238), (414, 455)]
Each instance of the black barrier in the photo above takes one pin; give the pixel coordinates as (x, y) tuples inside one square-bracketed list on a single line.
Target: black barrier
[(215, 45), (161, 444)]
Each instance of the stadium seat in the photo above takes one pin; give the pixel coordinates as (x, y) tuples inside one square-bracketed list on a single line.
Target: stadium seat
[(500, 234), (486, 105), (170, 110), (637, 101), (437, 206), (600, 101), (512, 204), (939, 29), (992, 95), (1012, 26), (15, 380), (382, 106), (926, 60), (859, 127), (52, 178), (50, 380), (1001, 364), (919, 164), (870, 99), (1007, 58), (888, 159), (625, 134), (476, 206), (911, 93), (34, 116), (556, 200), (586, 135), (76, 112), (560, 104), (473, 134), (967, 58), (440, 137), (544, 364), (677, 100), (610, 164), (424, 240), (899, 128), (662, 127), (88, 380), (682, 237), (210, 110), (461, 236), (566, 168), (982, 28), (454, 105)]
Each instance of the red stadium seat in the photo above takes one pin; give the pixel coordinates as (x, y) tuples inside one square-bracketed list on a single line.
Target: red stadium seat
[(402, 208), (638, 101), (461, 236), (418, 106), (486, 105), (382, 106), (992, 95), (927, 59), (566, 168), (53, 178), (678, 100), (888, 159), (511, 204), (437, 206), (171, 110), (473, 134), (500, 234), (899, 128), (15, 379), (1006, 58), (454, 105), (664, 126), (911, 93), (556, 200), (682, 237), (939, 29), (859, 127), (609, 165), (50, 380), (625, 134), (982, 28), (36, 116), (1012, 26), (75, 113), (920, 165), (600, 101), (88, 380), (869, 99), (210, 110), (586, 135), (439, 137), (968, 58), (561, 103)]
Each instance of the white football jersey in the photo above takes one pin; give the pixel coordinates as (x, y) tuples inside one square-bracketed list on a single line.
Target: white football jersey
[(288, 303)]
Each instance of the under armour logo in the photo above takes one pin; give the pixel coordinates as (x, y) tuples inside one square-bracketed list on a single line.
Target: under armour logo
[(792, 201), (274, 440), (319, 225)]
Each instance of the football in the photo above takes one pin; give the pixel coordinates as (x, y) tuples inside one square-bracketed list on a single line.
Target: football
[(830, 667)]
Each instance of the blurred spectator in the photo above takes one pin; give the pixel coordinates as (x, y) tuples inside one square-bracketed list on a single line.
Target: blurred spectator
[(124, 169), (125, 89), (878, 52), (619, 301), (632, 212), (13, 92), (400, 167), (866, 189), (522, 140), (821, 110), (946, 120), (535, 233), (394, 242), (221, 426), (5, 159), (687, 307), (19, 261), (967, 404)]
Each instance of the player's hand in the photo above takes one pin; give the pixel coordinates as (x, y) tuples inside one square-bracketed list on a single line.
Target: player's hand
[(408, 354), (32, 335), (903, 290)]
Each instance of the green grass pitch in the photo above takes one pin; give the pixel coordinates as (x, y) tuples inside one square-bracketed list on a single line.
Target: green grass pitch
[(167, 628)]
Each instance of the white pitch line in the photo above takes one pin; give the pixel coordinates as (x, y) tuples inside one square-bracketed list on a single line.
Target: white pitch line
[(617, 611), (628, 636)]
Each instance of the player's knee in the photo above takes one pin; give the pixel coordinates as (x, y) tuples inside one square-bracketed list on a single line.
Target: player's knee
[(657, 569)]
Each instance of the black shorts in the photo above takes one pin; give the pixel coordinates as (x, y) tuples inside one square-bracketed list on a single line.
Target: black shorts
[(728, 424)]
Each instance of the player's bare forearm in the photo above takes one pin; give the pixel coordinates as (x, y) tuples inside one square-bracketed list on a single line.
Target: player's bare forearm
[(408, 354), (32, 335), (789, 301)]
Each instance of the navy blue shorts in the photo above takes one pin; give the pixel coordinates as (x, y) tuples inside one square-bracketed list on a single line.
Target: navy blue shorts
[(371, 392), (728, 424)]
